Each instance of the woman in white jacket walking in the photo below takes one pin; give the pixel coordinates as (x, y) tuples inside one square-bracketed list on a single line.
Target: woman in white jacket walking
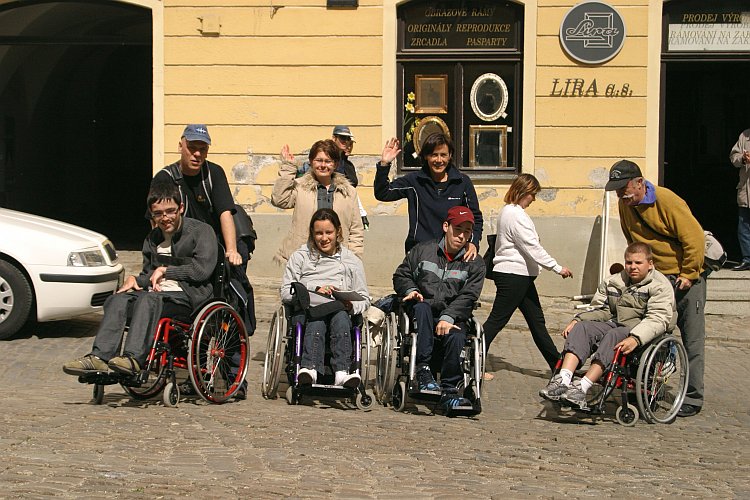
[(518, 256)]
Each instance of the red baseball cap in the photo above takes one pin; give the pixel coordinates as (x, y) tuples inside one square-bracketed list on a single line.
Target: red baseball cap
[(458, 215)]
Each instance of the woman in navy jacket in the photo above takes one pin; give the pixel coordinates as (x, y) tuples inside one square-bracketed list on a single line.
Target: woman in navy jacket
[(431, 191)]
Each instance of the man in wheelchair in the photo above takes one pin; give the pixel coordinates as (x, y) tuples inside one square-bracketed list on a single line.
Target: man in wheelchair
[(442, 289), (179, 256), (628, 311)]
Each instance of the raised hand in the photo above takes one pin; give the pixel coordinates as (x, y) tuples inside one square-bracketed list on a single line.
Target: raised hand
[(287, 155), (390, 151)]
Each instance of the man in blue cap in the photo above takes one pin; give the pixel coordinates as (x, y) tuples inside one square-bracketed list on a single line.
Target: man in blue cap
[(204, 188), (206, 196)]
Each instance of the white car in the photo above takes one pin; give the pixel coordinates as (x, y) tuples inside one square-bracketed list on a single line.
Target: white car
[(51, 270)]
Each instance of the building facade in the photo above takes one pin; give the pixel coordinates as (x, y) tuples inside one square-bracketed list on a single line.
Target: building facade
[(549, 87)]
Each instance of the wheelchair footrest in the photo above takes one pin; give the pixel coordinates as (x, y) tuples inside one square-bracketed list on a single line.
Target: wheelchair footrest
[(100, 378), (465, 410)]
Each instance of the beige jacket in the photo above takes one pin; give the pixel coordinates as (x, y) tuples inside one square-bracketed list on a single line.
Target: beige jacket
[(647, 308), (301, 195), (735, 156)]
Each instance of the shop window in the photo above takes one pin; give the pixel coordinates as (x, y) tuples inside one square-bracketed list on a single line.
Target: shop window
[(460, 65)]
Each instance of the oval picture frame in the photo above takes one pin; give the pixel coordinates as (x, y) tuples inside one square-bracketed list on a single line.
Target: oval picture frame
[(489, 97), (428, 125)]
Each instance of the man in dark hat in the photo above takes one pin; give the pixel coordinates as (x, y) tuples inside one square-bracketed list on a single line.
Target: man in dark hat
[(344, 139), (658, 217)]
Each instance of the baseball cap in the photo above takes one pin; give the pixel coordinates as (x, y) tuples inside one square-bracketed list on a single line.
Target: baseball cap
[(458, 215), (342, 130), (197, 132), (621, 173)]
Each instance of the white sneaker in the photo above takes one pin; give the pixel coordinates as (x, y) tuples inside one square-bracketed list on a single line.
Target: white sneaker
[(307, 376), (347, 380)]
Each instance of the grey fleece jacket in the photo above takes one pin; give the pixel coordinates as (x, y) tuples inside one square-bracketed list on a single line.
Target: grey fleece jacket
[(194, 256), (314, 269), (647, 308)]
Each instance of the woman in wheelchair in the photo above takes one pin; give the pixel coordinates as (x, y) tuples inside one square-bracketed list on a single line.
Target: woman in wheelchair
[(324, 265), (629, 310)]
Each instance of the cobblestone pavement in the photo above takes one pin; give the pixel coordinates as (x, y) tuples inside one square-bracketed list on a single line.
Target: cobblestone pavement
[(55, 443)]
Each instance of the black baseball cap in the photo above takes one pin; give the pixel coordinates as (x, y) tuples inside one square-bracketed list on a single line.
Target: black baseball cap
[(621, 173)]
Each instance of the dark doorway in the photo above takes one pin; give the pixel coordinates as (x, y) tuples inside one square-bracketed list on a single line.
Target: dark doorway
[(705, 110), (76, 113)]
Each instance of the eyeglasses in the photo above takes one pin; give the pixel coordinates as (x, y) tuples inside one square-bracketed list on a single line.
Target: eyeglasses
[(170, 212), (323, 161), (344, 139)]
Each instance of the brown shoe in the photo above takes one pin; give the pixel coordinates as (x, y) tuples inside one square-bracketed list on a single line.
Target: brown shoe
[(125, 365), (85, 365)]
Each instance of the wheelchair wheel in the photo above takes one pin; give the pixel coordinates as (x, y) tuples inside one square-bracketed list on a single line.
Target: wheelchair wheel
[(274, 354), (661, 380), (363, 402), (385, 368), (398, 396), (98, 394), (171, 394), (364, 368), (480, 356), (291, 396), (627, 415), (218, 355)]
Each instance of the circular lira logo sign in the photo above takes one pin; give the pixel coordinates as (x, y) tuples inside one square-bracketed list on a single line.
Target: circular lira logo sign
[(592, 32)]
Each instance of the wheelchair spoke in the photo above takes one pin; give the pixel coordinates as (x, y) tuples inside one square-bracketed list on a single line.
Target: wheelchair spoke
[(219, 356)]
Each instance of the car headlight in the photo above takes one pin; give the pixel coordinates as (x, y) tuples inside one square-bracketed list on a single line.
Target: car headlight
[(86, 258)]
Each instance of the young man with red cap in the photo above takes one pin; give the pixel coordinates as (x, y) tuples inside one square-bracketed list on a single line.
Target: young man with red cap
[(442, 289)]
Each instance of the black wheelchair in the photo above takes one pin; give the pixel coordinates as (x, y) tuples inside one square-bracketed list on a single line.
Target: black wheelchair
[(284, 349), (395, 381), (211, 344), (654, 377)]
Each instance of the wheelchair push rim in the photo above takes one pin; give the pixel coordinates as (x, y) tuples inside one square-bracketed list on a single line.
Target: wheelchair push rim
[(385, 368), (661, 381), (274, 354), (218, 356)]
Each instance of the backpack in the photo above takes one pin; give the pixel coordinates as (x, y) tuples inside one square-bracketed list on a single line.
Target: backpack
[(243, 224), (715, 256)]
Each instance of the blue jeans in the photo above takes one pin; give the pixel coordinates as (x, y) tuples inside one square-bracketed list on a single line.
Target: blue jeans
[(451, 345), (314, 343), (743, 233)]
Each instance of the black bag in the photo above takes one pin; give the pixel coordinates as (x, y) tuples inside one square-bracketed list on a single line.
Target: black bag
[(489, 254), (243, 224), (302, 301)]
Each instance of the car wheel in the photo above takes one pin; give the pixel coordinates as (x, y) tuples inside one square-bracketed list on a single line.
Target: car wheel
[(15, 299)]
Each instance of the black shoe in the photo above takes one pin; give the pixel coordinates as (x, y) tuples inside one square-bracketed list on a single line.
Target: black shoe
[(743, 266), (687, 410), (241, 394)]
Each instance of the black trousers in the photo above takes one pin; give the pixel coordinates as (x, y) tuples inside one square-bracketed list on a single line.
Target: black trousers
[(519, 292)]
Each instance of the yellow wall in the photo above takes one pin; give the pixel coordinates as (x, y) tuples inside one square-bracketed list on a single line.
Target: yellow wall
[(286, 72)]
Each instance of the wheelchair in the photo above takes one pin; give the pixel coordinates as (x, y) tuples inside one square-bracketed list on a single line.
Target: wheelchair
[(654, 377), (284, 349), (211, 345), (395, 381)]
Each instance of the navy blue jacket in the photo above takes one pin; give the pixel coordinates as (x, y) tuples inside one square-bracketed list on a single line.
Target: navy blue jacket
[(450, 287), (427, 207)]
